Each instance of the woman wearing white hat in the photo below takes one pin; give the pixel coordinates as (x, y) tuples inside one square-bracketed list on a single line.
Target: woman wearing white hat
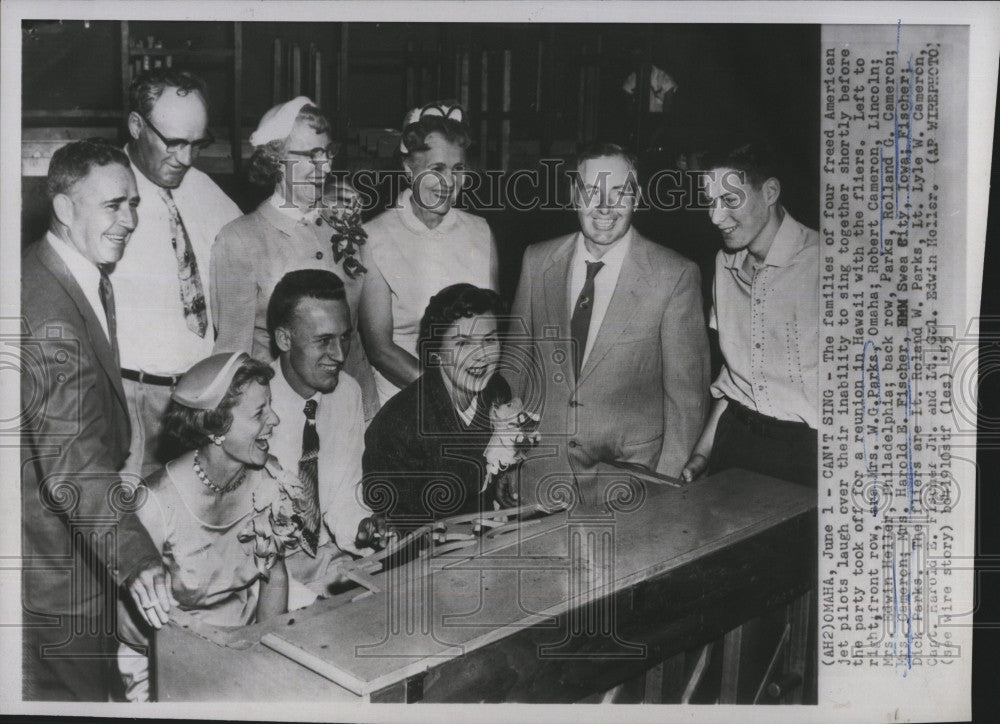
[(292, 155), (210, 510), (421, 245)]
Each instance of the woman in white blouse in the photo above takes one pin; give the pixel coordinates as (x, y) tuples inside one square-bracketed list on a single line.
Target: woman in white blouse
[(421, 245)]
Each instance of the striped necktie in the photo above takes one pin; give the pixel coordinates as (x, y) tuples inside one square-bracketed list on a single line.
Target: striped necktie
[(107, 294)]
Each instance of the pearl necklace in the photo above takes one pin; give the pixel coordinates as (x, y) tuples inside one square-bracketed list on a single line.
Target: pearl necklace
[(203, 477)]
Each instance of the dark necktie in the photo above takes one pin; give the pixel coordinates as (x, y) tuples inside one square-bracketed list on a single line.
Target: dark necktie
[(192, 293), (308, 506), (107, 294), (579, 325)]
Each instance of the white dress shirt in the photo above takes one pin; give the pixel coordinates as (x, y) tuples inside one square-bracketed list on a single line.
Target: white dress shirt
[(86, 274), (604, 283), (767, 317), (340, 423), (153, 335)]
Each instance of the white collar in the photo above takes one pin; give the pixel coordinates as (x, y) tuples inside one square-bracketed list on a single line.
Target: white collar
[(86, 273), (143, 182), (613, 257), (292, 211), (284, 391), (469, 413), (415, 224)]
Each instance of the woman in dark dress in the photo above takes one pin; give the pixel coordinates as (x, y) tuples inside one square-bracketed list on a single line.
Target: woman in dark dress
[(424, 451)]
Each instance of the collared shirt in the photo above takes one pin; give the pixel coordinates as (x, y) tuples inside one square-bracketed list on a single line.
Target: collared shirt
[(418, 262), (153, 335), (767, 316), (604, 283), (340, 423), (468, 414), (86, 274)]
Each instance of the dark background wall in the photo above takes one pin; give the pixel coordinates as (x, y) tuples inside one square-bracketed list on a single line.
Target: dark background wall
[(565, 89)]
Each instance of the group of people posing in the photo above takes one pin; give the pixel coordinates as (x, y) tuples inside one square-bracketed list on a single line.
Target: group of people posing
[(219, 409)]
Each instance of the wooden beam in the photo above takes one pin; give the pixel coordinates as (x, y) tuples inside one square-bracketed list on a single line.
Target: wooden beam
[(236, 142), (278, 71), (484, 94), (732, 650), (343, 112), (505, 123)]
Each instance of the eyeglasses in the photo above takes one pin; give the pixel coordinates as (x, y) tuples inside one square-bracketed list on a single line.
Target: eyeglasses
[(176, 145), (316, 155)]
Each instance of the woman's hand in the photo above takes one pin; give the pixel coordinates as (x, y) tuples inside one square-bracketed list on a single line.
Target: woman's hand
[(374, 532), (273, 598), (506, 488), (694, 468), (150, 590)]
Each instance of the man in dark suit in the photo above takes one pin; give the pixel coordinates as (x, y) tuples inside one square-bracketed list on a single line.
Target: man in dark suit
[(608, 339), (80, 536)]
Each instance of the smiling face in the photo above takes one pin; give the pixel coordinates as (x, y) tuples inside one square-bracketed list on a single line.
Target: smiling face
[(469, 352), (437, 174), (176, 116), (253, 420), (744, 213), (605, 198), (314, 345), (305, 176), (99, 212)]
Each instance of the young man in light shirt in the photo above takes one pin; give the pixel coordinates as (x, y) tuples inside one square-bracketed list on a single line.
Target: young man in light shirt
[(321, 434), (765, 298)]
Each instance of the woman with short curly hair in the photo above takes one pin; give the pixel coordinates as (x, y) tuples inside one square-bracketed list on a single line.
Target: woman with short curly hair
[(219, 512), (424, 451), (421, 245), (292, 156)]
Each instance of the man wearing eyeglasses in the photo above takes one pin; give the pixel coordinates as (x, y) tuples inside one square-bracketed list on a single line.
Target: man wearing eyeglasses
[(615, 355), (165, 320)]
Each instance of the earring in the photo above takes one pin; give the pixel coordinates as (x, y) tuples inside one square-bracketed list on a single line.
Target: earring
[(218, 439)]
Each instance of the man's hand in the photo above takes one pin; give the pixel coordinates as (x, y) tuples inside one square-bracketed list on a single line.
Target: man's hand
[(150, 590), (506, 490), (374, 532), (694, 468), (128, 631)]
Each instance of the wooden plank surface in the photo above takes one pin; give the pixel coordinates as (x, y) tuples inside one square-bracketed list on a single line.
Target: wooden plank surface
[(425, 618)]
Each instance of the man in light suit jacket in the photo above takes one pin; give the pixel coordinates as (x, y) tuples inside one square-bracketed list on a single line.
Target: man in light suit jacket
[(80, 536), (613, 350)]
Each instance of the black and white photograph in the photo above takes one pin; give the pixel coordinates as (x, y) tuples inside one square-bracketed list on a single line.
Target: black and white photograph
[(491, 354)]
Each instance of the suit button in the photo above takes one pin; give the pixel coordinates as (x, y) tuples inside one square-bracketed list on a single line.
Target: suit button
[(573, 443), (319, 255)]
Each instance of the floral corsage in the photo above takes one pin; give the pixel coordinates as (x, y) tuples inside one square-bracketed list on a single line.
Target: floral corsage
[(341, 211), (278, 524), (515, 432)]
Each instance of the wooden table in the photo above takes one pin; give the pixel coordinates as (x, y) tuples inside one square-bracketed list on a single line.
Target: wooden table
[(569, 605)]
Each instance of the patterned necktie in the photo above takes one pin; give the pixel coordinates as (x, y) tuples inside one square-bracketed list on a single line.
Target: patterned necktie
[(579, 326), (192, 294), (107, 294), (308, 506)]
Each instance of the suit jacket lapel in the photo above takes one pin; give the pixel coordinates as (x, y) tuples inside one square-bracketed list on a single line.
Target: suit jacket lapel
[(555, 283), (624, 303), (98, 339)]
